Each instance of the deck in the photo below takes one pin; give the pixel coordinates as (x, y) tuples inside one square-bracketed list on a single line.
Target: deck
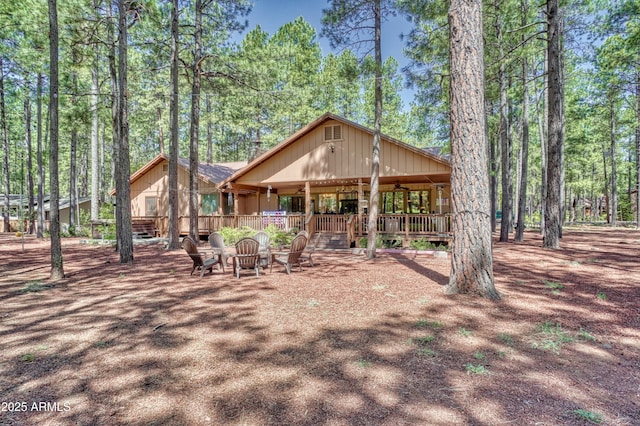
[(433, 227)]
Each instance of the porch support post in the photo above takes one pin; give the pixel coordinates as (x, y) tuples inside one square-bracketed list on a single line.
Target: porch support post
[(220, 202), (236, 210), (360, 209), (307, 199), (258, 202)]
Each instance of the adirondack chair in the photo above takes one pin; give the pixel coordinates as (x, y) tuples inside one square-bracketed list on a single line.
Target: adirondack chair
[(216, 241), (247, 256), (309, 248), (292, 257), (263, 239), (199, 261)]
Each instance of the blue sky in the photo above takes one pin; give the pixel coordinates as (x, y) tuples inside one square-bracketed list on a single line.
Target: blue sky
[(273, 14)]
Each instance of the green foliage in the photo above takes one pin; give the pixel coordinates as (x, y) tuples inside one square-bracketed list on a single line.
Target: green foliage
[(28, 357), (552, 337), (554, 286), (424, 323), (280, 237), (421, 341), (363, 363), (589, 416), (464, 332), (475, 369), (232, 235), (585, 335), (422, 244), (479, 355), (379, 242), (34, 287), (507, 338)]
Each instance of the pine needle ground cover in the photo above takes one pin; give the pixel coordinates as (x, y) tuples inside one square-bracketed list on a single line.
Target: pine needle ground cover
[(350, 341)]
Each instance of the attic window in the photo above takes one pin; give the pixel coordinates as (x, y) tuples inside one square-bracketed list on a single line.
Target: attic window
[(165, 168), (333, 133)]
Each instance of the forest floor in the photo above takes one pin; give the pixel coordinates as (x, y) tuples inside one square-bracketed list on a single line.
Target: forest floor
[(350, 341)]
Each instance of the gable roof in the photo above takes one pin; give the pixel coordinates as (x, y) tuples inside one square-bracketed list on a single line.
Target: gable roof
[(211, 173), (64, 203), (315, 124)]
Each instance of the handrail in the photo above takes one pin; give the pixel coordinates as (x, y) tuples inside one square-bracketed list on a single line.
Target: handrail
[(402, 223)]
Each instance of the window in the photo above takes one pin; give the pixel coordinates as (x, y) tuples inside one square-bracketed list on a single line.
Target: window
[(291, 203), (209, 204), (419, 202), (393, 202), (348, 202), (150, 206), (328, 203), (332, 133)]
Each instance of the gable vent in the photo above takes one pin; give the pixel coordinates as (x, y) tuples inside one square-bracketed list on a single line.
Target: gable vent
[(333, 133)]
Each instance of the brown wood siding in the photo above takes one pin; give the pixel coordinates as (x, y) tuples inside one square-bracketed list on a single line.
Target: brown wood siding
[(311, 159), (155, 183)]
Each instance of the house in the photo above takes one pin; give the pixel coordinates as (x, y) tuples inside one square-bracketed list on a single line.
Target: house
[(84, 207), (323, 173), (20, 203), (317, 179), (150, 196)]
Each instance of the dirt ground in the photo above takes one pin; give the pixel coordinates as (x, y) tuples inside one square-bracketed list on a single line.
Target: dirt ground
[(347, 342)]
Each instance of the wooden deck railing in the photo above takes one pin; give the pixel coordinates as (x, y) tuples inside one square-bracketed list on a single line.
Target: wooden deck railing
[(393, 224)]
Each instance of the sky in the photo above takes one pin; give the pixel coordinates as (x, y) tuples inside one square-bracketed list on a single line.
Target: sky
[(273, 14)]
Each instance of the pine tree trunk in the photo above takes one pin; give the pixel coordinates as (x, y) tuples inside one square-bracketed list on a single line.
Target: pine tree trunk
[(554, 202), (30, 189), (95, 143), (638, 147), (505, 140), (372, 228), (524, 148), (40, 227), (57, 269), (5, 148), (612, 154), (195, 126), (493, 179), (160, 132), (123, 169), (471, 256), (209, 129), (115, 116), (73, 175), (174, 232)]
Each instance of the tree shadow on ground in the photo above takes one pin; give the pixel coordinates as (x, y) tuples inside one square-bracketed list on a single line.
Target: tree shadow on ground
[(148, 344)]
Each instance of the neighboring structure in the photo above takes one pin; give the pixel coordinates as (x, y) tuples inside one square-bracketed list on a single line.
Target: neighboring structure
[(84, 206), (20, 204)]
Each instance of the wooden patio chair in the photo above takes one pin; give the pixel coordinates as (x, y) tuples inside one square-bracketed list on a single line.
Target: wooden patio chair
[(199, 261), (216, 241), (247, 256), (263, 240), (309, 248), (292, 257)]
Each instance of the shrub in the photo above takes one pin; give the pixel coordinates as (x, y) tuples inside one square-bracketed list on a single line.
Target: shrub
[(233, 235), (280, 237), (379, 242), (422, 244)]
